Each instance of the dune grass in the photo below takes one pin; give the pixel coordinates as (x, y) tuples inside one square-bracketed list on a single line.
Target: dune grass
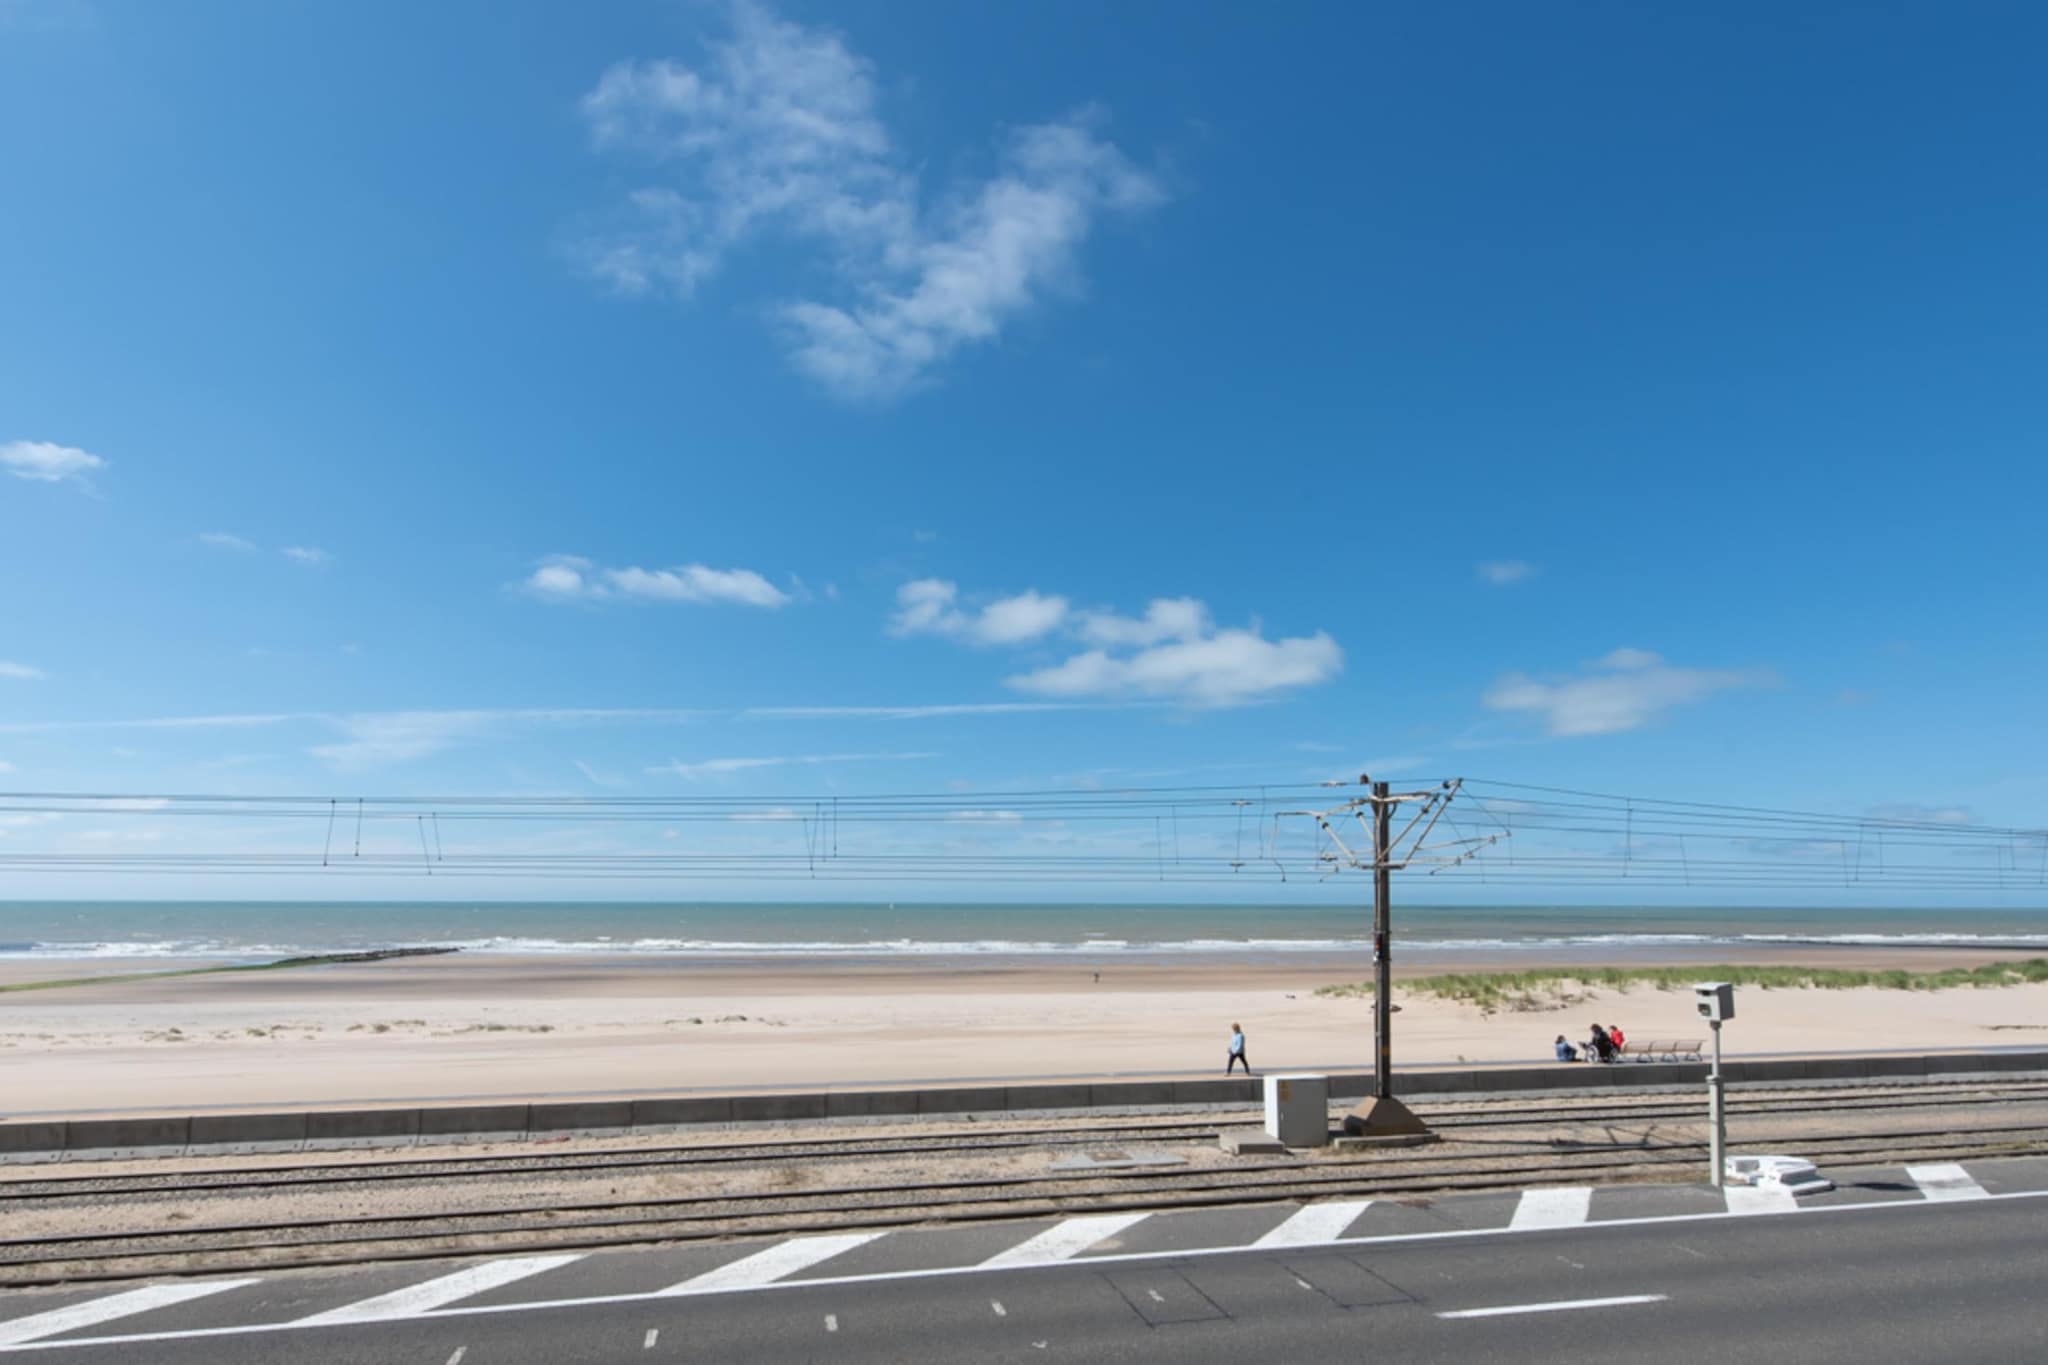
[(1541, 990)]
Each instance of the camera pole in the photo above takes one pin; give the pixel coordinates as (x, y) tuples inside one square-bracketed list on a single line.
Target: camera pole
[(1717, 1115)]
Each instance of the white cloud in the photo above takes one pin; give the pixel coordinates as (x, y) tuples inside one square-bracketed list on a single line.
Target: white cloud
[(306, 554), (47, 462), (1226, 668), (225, 540), (1501, 572), (1168, 618), (778, 130), (927, 607), (1173, 653), (1628, 659), (564, 578), (718, 767), (21, 671), (5, 766), (1622, 691)]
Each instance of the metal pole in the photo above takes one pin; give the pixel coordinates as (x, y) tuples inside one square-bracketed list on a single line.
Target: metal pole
[(1718, 1116), (1382, 942)]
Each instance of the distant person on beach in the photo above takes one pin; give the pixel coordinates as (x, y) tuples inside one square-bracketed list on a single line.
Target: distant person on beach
[(1615, 1036), (1600, 1047), (1565, 1051), (1237, 1051)]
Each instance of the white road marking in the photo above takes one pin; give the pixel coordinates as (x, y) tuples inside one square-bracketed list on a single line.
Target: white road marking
[(1760, 1199), (416, 1299), (456, 1359), (1945, 1181), (1001, 1311), (772, 1263), (653, 1335), (1313, 1223), (1601, 1228), (831, 1322), (1557, 1306), (1064, 1240), (1559, 1208), (95, 1311)]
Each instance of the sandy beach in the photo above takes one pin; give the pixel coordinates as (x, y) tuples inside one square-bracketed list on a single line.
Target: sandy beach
[(471, 1026)]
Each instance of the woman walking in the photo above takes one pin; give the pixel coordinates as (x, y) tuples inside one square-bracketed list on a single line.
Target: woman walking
[(1237, 1050)]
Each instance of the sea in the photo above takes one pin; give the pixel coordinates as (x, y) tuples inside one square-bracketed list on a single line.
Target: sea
[(263, 930)]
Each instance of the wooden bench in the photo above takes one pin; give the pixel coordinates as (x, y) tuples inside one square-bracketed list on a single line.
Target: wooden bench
[(1664, 1050)]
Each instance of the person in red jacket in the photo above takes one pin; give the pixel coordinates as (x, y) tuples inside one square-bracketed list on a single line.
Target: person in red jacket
[(1614, 1036)]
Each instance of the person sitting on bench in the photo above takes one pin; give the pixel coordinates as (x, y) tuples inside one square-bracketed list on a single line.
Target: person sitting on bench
[(1600, 1047), (1565, 1051)]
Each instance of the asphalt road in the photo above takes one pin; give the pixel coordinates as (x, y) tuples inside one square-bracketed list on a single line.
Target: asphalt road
[(1947, 1282)]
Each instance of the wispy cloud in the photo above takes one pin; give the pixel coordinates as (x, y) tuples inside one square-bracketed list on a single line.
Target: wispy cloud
[(306, 554), (597, 778), (226, 540), (378, 739), (1621, 691), (1503, 572), (927, 607), (777, 130), (1908, 813), (571, 578), (929, 711), (47, 462), (20, 671), (37, 727), (719, 767)]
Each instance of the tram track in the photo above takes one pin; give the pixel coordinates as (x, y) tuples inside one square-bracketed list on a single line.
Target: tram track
[(561, 1226), (27, 1190)]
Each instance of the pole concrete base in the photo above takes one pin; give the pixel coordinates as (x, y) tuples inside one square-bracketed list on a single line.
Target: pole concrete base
[(1383, 1116)]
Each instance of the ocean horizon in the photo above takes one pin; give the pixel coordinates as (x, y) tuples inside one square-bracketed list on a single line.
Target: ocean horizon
[(258, 930)]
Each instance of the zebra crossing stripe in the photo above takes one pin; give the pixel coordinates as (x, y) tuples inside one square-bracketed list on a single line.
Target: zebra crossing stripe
[(95, 1311), (1064, 1240), (772, 1263), (1945, 1181), (1314, 1223), (1552, 1208), (1760, 1199), (416, 1299)]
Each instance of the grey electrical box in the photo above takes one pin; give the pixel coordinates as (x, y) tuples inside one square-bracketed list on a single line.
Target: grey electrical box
[(1716, 999)]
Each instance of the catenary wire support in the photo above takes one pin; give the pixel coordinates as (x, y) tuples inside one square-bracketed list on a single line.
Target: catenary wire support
[(1381, 850)]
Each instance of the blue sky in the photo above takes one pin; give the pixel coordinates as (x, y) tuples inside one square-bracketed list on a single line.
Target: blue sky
[(680, 398)]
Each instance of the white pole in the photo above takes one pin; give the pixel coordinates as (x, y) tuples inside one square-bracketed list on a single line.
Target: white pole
[(1717, 1114)]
